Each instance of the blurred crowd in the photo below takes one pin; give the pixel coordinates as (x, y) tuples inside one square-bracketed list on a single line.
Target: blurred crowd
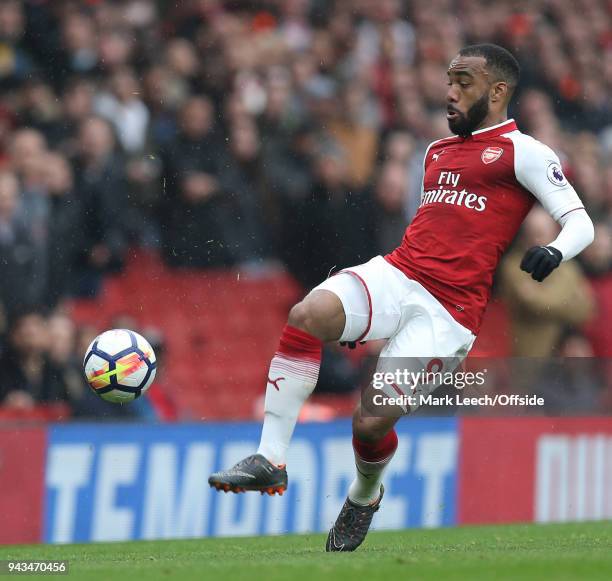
[(41, 371), (267, 133)]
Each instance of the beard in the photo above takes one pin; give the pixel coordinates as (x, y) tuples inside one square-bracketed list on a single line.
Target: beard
[(464, 124)]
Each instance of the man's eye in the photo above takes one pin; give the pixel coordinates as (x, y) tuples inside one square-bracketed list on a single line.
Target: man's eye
[(464, 85)]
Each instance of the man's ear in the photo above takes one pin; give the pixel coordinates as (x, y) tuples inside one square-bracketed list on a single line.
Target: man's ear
[(499, 91)]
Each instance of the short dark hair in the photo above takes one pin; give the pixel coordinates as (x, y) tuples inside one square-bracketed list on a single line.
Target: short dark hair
[(499, 61)]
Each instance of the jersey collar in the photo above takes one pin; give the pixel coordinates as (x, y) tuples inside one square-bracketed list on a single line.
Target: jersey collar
[(494, 130)]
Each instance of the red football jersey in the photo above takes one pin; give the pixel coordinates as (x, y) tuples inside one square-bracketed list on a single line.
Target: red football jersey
[(476, 192)]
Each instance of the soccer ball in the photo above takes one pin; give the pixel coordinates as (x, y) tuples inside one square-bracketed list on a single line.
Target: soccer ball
[(119, 365)]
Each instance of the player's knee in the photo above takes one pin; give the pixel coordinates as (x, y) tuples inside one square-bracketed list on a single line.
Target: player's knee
[(302, 317), (317, 316)]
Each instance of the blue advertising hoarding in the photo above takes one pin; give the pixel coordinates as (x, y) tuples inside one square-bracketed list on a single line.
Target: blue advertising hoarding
[(112, 482)]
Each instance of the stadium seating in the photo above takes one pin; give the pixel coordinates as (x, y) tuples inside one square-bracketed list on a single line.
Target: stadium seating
[(56, 412)]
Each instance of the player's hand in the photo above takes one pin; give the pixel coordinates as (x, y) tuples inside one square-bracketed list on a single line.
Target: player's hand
[(540, 261), (350, 344)]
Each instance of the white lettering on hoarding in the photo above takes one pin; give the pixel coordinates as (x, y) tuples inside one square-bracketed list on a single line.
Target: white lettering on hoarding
[(573, 478), (68, 470), (117, 466), (396, 503), (303, 481), (176, 505), (338, 469), (119, 491), (436, 460)]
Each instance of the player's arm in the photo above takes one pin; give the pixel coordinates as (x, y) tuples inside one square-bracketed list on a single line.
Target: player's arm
[(538, 170)]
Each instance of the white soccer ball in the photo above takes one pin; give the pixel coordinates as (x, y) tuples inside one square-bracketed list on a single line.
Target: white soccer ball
[(119, 365)]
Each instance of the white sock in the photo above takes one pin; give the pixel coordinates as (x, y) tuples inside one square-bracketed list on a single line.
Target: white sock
[(292, 378), (371, 459), (365, 489)]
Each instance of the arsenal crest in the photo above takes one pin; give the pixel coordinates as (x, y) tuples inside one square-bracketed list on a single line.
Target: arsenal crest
[(491, 154)]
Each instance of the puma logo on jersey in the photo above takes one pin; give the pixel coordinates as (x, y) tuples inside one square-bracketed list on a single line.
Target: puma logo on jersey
[(435, 156)]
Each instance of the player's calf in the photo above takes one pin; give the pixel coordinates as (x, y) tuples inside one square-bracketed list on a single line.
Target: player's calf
[(371, 429), (374, 444)]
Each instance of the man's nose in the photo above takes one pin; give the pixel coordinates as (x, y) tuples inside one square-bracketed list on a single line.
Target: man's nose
[(452, 95)]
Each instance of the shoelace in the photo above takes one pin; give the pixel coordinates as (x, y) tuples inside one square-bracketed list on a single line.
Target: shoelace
[(243, 463), (355, 519)]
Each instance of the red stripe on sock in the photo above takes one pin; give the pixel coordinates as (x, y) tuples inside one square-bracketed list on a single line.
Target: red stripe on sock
[(376, 451), (297, 343)]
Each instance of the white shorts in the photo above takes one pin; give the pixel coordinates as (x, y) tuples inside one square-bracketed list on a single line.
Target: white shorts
[(381, 302)]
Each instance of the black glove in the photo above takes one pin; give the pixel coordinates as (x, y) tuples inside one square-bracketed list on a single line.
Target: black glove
[(350, 344), (540, 261)]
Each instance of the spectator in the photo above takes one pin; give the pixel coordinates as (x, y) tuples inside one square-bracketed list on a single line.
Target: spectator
[(122, 107), (163, 94), (101, 183), (27, 150), (597, 260), (335, 227), (539, 312), (27, 375), (356, 131), (61, 332), (390, 199), (80, 45), (64, 237), (245, 180), (194, 156), (384, 35), (401, 149), (40, 108), (77, 103), (20, 263), (115, 47), (201, 212), (16, 62)]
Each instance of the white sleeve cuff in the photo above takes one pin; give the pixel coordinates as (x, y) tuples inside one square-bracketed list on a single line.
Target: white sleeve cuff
[(577, 232)]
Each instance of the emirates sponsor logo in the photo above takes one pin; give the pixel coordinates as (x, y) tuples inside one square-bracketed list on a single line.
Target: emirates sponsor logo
[(491, 154), (456, 198), (453, 196)]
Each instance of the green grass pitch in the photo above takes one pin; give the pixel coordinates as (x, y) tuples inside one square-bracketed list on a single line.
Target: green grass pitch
[(556, 552)]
